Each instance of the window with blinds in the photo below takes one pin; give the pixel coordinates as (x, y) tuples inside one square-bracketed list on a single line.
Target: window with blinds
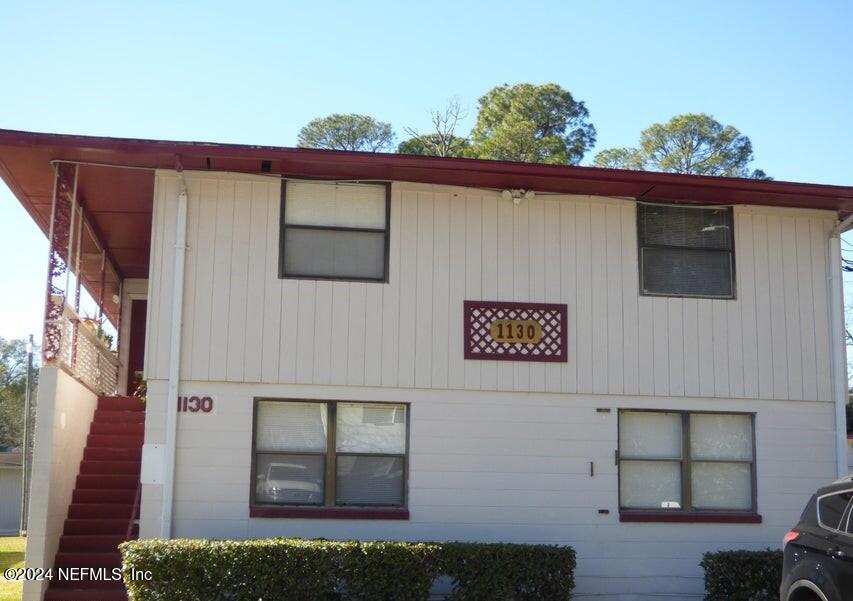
[(330, 453), (678, 461), (686, 251), (334, 230)]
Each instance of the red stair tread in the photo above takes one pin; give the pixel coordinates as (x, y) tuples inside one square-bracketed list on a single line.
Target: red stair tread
[(88, 511), (88, 466), (114, 440), (111, 496), (117, 428), (95, 526), (88, 583), (121, 403), (55, 594), (87, 560), (119, 416), (90, 543), (112, 453), (112, 481)]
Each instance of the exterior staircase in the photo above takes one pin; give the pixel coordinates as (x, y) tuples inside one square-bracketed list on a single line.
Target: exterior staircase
[(105, 504)]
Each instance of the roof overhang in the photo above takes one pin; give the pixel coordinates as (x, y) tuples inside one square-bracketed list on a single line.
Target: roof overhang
[(116, 180)]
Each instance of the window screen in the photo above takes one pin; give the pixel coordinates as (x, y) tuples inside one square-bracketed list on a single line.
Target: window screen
[(686, 251), (650, 452), (686, 461), (334, 231), (297, 464)]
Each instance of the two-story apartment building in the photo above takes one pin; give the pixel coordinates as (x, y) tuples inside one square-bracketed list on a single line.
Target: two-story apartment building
[(644, 366)]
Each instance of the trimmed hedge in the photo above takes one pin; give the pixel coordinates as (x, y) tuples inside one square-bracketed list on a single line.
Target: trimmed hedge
[(512, 572), (305, 570), (742, 575)]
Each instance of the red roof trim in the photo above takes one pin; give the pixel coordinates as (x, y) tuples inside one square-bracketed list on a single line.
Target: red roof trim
[(439, 170)]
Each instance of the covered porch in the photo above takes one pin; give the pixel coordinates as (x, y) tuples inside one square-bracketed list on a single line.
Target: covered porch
[(88, 433)]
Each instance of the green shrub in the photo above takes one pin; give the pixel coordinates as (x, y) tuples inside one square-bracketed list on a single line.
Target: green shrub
[(485, 572), (742, 575), (190, 570), (386, 571), (303, 570)]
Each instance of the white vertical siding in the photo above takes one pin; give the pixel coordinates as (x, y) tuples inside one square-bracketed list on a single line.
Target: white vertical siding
[(243, 324)]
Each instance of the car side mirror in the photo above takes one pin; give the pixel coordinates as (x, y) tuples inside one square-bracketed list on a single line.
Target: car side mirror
[(262, 477)]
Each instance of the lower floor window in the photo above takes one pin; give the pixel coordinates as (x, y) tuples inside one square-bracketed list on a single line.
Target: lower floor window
[(679, 461), (330, 453)]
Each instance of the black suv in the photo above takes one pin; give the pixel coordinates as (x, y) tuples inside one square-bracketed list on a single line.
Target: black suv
[(819, 550)]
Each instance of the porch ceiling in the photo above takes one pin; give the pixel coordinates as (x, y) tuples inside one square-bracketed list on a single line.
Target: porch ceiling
[(118, 201)]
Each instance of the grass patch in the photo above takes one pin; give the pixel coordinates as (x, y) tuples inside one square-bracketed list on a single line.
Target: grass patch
[(11, 556)]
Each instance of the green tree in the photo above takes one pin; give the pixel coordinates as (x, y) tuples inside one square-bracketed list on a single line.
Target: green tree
[(693, 143), (434, 145), (443, 141), (347, 132), (533, 124), (620, 158), (13, 372)]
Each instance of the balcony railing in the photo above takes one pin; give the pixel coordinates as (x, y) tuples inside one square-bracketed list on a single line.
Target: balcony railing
[(85, 355)]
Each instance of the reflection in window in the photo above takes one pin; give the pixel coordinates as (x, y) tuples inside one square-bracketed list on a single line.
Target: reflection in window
[(294, 464)]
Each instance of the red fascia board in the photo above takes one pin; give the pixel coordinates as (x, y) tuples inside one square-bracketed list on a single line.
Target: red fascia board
[(297, 162)]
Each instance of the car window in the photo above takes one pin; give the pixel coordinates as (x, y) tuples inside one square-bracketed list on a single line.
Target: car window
[(831, 508), (847, 520)]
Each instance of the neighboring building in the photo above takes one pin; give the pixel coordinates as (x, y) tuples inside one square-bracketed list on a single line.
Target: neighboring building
[(644, 366), (11, 486)]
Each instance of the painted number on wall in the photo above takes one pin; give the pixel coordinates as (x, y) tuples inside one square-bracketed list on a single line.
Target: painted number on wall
[(194, 404)]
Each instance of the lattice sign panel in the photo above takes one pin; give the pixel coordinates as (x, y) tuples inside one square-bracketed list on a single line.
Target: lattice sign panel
[(515, 331)]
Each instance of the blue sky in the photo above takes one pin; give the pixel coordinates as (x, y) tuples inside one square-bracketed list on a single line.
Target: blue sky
[(256, 72)]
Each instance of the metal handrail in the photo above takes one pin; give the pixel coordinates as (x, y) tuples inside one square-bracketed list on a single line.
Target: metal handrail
[(133, 512)]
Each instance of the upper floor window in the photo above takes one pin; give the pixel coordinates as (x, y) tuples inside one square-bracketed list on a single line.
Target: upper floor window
[(686, 251), (334, 230)]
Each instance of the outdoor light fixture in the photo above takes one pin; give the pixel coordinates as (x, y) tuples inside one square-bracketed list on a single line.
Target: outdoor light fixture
[(518, 194)]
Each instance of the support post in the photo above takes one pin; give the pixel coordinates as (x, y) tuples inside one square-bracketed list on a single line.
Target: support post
[(59, 250)]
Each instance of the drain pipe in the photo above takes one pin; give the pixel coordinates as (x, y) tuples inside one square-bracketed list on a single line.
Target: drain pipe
[(838, 339), (174, 357)]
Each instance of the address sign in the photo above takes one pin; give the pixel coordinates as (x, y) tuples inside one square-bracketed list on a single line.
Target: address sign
[(515, 331)]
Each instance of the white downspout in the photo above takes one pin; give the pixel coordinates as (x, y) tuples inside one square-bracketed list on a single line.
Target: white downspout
[(838, 339), (174, 360)]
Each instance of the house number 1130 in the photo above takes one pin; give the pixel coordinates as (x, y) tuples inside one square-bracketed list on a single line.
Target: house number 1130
[(194, 404), (516, 331)]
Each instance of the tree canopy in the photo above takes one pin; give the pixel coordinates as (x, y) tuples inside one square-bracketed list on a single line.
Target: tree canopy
[(533, 124), (434, 145), (443, 141), (13, 370), (347, 132), (696, 144)]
